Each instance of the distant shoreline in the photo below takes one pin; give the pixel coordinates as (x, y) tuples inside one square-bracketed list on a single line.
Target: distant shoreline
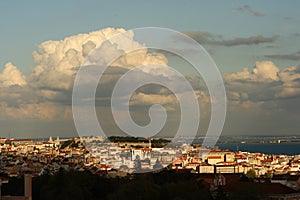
[(292, 148), (258, 143)]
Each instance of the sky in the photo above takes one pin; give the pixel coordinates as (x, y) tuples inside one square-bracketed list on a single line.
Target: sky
[(255, 44)]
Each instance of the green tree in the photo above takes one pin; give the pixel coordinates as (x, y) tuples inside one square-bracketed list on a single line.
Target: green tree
[(251, 174), (268, 175)]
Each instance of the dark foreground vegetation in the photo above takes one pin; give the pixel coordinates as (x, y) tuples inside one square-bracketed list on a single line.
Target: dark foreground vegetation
[(166, 184), (87, 186)]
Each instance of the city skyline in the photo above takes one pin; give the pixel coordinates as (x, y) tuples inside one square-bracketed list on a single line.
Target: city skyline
[(254, 44)]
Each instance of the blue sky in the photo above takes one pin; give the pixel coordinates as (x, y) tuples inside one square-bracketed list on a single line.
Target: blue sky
[(261, 36), (24, 25)]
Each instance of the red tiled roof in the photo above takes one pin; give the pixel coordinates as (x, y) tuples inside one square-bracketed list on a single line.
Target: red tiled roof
[(104, 166), (146, 149), (266, 160), (214, 157), (244, 163)]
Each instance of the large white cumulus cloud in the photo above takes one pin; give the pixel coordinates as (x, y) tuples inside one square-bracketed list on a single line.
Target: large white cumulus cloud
[(58, 61), (265, 86), (50, 81), (264, 71), (11, 76)]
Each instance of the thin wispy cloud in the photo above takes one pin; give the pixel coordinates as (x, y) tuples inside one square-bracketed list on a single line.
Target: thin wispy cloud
[(257, 39), (247, 8), (291, 56), (210, 38)]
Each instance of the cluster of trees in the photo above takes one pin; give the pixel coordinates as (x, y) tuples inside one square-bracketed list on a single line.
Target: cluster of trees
[(69, 143), (127, 139), (155, 142)]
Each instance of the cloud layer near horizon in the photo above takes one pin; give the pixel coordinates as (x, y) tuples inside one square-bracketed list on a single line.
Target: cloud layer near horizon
[(45, 94)]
